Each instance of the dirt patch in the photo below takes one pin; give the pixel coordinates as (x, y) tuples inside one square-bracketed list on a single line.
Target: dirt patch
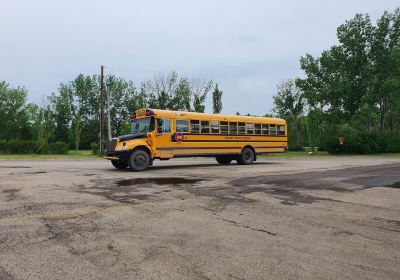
[(81, 236), (138, 189), (28, 173), (141, 189), (288, 187), (66, 229), (395, 223), (34, 209), (11, 194), (15, 166), (174, 181), (292, 197), (4, 275)]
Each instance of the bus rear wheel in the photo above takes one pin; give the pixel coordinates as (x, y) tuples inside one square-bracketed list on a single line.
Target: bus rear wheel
[(223, 159), (139, 160), (119, 164), (246, 157)]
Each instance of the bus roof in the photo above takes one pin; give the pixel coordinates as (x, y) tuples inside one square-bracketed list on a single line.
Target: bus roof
[(217, 117)]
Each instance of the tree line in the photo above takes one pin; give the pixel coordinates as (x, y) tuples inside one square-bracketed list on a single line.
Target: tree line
[(72, 114), (351, 90)]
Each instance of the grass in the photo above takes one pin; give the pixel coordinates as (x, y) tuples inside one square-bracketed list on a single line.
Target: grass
[(73, 154), (295, 154), (394, 155), (302, 154)]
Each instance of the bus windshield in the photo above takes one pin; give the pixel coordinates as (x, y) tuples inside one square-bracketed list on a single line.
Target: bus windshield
[(141, 126)]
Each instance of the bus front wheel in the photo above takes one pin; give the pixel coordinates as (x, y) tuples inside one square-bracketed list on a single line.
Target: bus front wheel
[(119, 164), (246, 157), (139, 160), (223, 159)]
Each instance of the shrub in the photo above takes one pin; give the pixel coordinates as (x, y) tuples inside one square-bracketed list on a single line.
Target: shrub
[(17, 146), (58, 147), (95, 148), (295, 148), (3, 146), (366, 143)]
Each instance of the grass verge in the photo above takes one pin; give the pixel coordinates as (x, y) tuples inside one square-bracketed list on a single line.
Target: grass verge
[(73, 154), (302, 154)]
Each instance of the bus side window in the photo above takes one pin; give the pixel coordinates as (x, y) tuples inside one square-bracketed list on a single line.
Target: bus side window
[(233, 128), (272, 129), (281, 130), (194, 126), (163, 126), (205, 127), (265, 129), (250, 128), (224, 127), (182, 125), (257, 129), (215, 127), (242, 128)]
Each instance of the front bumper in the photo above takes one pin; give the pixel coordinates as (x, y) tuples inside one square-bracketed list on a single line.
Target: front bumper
[(117, 155)]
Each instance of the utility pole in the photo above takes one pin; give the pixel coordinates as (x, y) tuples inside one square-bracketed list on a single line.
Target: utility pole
[(101, 108), (109, 110)]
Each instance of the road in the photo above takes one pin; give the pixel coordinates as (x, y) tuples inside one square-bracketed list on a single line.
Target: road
[(306, 218)]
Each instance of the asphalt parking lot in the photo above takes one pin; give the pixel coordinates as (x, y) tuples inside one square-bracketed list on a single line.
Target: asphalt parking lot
[(319, 218)]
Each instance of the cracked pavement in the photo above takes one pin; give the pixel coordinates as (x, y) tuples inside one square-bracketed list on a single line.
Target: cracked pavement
[(305, 218)]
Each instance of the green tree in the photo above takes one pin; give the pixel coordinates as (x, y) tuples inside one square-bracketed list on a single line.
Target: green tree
[(124, 101), (31, 125), (217, 100), (77, 130), (72, 114), (355, 83), (46, 126), (337, 82), (385, 63), (174, 93), (200, 89), (182, 96), (161, 89), (61, 106), (289, 104), (85, 91), (13, 112)]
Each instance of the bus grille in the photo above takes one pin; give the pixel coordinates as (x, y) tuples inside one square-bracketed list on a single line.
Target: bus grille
[(111, 145)]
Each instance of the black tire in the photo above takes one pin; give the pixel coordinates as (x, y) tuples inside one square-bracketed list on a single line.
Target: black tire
[(223, 159), (246, 157), (139, 160), (119, 164)]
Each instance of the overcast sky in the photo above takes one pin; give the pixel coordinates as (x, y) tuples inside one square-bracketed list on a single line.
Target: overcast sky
[(247, 47)]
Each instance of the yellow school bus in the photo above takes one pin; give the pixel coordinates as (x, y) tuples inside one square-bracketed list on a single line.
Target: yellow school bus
[(165, 134)]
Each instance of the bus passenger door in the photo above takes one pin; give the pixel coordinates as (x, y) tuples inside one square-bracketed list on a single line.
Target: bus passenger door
[(163, 139)]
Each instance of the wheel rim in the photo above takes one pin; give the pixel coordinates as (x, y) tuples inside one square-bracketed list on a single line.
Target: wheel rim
[(247, 156), (140, 160)]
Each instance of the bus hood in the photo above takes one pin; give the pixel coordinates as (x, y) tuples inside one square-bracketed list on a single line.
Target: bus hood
[(128, 137)]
